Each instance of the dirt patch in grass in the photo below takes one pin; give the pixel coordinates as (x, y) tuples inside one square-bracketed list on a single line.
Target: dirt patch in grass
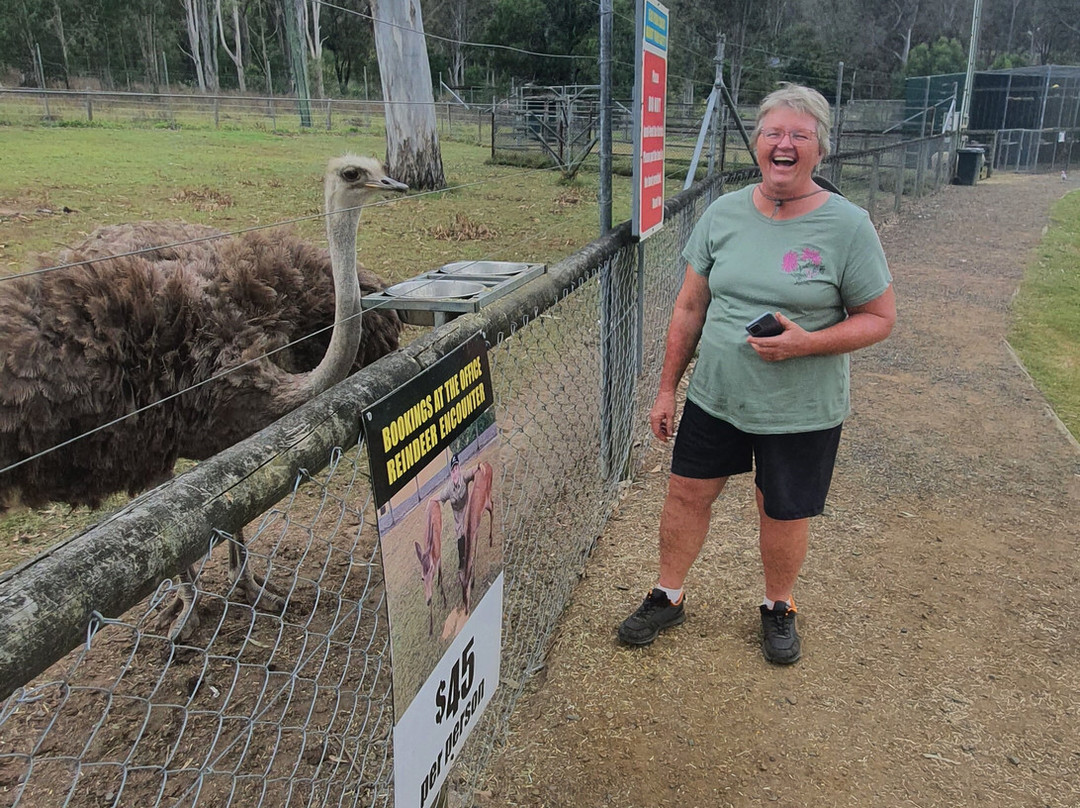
[(941, 649), (205, 199), (462, 229)]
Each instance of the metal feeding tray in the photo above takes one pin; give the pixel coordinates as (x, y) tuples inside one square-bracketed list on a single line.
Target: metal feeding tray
[(452, 290), (491, 269)]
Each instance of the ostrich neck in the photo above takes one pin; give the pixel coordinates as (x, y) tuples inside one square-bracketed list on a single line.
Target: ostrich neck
[(345, 338)]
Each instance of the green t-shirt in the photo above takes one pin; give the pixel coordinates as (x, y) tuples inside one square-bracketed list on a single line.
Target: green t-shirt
[(811, 269)]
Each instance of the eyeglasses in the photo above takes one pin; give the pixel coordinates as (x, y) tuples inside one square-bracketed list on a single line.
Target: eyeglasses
[(799, 137)]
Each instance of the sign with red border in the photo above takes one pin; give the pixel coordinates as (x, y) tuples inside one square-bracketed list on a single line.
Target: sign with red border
[(648, 213)]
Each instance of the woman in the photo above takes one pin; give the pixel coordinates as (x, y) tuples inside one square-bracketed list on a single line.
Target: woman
[(775, 404)]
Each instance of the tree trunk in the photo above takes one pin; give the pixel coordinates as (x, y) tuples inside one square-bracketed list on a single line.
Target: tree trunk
[(58, 22), (457, 52), (295, 14), (208, 42), (146, 31), (194, 40), (412, 139), (313, 32), (236, 54)]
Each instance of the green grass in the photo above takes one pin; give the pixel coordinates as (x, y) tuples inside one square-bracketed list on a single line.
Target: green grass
[(238, 179), (1046, 327)]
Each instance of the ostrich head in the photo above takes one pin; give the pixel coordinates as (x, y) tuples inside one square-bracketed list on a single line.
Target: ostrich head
[(350, 182)]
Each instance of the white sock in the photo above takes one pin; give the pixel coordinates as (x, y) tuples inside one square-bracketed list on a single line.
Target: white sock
[(768, 604), (672, 594)]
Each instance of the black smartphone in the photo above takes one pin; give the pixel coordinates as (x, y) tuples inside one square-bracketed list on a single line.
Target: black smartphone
[(765, 326)]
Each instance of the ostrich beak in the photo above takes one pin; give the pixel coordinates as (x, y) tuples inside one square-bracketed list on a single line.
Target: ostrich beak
[(386, 184)]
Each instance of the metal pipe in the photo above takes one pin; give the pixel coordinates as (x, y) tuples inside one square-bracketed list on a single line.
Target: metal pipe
[(604, 195)]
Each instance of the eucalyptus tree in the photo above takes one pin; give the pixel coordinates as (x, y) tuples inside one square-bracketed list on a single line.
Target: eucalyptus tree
[(412, 138), (236, 50), (202, 41)]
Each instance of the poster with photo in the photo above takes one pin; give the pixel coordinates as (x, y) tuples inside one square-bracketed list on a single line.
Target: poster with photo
[(435, 464)]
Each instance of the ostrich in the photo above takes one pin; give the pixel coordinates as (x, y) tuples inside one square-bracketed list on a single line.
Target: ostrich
[(84, 345)]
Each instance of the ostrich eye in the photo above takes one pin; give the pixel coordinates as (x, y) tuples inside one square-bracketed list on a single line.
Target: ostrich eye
[(351, 174)]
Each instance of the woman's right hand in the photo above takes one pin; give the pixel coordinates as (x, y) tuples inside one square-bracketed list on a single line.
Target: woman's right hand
[(662, 416)]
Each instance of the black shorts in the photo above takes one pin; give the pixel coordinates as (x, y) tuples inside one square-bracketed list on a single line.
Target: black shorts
[(793, 471)]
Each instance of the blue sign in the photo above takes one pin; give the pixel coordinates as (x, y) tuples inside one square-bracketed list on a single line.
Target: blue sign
[(656, 25)]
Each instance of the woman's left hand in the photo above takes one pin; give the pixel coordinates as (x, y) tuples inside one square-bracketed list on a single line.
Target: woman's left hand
[(792, 342)]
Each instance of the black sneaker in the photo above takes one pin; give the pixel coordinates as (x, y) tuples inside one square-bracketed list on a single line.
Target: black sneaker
[(779, 637), (656, 612)]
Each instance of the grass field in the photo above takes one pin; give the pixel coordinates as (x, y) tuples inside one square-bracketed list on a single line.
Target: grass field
[(1046, 330), (234, 180)]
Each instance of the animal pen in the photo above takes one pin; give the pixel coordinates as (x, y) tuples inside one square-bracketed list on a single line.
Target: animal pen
[(1027, 118), (263, 709)]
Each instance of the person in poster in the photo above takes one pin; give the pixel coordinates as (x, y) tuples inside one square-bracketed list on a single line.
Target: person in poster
[(456, 492)]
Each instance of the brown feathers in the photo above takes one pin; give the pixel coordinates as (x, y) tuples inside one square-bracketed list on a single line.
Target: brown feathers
[(85, 345)]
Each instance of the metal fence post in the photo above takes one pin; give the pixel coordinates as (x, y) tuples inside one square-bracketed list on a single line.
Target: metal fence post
[(920, 170), (901, 158)]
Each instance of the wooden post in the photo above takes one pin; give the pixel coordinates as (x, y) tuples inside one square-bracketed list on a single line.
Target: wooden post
[(89, 108), (874, 167)]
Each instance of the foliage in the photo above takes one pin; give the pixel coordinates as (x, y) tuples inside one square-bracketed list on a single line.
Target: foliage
[(943, 56), (486, 45), (1006, 61), (1046, 329)]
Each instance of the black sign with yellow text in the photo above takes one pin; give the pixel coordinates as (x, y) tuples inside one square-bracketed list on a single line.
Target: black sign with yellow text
[(408, 428)]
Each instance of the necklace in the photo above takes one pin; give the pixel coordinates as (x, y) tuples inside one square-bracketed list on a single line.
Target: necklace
[(780, 200)]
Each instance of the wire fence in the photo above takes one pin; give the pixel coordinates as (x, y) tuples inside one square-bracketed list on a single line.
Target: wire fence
[(266, 709), (270, 113)]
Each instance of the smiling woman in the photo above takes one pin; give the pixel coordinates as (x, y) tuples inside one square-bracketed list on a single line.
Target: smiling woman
[(771, 403), (790, 140)]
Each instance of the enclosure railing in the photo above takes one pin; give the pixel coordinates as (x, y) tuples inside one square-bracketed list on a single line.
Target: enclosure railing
[(266, 709), (1030, 150)]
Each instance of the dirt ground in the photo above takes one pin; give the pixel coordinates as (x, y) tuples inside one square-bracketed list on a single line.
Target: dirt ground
[(941, 646)]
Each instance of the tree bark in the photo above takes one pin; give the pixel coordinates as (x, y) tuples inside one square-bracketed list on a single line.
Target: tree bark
[(194, 39), (412, 139), (313, 32), (236, 53), (202, 35), (58, 22)]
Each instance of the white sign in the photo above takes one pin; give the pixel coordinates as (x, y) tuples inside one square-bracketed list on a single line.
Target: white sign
[(429, 736)]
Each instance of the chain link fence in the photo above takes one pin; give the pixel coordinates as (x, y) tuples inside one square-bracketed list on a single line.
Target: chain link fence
[(266, 709)]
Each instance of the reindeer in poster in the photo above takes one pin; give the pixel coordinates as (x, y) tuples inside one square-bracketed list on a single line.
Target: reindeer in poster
[(431, 559), (479, 503)]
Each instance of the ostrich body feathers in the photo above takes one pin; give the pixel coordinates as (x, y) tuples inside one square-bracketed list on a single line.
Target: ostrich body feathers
[(84, 345)]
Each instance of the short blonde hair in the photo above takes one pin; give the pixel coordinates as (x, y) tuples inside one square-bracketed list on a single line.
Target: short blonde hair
[(800, 99)]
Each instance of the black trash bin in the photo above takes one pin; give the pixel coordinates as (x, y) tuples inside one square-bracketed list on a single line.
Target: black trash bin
[(969, 161)]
